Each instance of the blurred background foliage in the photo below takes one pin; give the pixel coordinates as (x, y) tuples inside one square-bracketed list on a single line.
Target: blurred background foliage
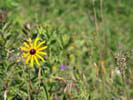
[(92, 38)]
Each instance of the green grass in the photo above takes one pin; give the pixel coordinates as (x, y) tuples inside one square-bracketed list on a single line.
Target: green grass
[(93, 38)]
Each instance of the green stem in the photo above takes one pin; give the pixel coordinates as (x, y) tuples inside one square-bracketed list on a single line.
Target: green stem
[(26, 83), (46, 92)]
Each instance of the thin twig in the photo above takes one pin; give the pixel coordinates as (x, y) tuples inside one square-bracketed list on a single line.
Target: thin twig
[(5, 95)]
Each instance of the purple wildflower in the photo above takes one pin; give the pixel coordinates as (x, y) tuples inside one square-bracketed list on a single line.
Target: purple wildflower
[(63, 67)]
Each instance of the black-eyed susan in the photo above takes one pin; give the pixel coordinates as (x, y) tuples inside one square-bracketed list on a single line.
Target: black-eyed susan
[(33, 51)]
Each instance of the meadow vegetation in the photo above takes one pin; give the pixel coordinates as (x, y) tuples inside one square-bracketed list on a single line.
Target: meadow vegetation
[(89, 49)]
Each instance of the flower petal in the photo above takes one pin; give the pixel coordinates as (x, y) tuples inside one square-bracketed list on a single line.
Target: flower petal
[(40, 57), (26, 45), (43, 53), (30, 42), (24, 55), (25, 49), (32, 61), (40, 44), (43, 48), (35, 43), (36, 60), (28, 59)]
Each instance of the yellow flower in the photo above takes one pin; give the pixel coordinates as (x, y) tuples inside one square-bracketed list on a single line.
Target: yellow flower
[(33, 52)]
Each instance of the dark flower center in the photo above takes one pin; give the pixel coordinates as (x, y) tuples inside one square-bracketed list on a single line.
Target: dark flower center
[(32, 51)]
